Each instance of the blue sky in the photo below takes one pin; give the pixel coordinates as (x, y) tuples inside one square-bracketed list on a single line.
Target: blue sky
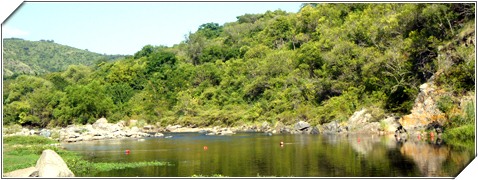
[(121, 27)]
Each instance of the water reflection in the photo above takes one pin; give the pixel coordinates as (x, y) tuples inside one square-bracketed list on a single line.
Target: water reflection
[(428, 156), (250, 155)]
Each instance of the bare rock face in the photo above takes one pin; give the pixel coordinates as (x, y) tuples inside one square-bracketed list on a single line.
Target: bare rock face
[(391, 124), (425, 110), (51, 164), (359, 119)]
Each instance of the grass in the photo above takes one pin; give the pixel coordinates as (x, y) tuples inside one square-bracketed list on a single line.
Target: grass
[(28, 140), (463, 136), (23, 151)]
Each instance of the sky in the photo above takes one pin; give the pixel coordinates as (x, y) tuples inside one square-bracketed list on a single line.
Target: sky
[(124, 27)]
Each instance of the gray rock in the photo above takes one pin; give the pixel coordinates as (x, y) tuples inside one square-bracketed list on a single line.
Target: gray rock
[(102, 124), (301, 125), (159, 135), (148, 128), (203, 131), (226, 132), (314, 130), (50, 164), (45, 133), (358, 120), (333, 128)]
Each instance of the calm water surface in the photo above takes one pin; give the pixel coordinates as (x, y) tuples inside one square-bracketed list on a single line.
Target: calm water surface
[(255, 154)]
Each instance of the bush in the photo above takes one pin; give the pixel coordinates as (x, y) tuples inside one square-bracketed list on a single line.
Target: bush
[(462, 134), (445, 104)]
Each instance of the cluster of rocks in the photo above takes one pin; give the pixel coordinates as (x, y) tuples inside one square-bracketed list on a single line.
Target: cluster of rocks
[(49, 165), (216, 131), (101, 129)]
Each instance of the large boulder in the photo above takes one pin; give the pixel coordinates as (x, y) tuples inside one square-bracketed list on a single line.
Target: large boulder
[(359, 119), (51, 164), (102, 124), (313, 130), (334, 127), (301, 125)]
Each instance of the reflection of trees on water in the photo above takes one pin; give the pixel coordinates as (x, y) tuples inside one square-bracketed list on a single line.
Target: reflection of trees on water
[(410, 158), (428, 158)]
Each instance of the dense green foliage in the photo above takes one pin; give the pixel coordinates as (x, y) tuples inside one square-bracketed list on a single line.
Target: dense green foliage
[(23, 151), (40, 57), (319, 64)]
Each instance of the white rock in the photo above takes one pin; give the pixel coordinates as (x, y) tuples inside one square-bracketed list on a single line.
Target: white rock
[(51, 164)]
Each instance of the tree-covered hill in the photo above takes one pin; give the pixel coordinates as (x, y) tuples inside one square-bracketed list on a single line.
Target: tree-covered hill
[(40, 57), (318, 65)]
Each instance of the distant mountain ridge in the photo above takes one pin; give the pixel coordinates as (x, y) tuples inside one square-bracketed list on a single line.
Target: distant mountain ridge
[(44, 56)]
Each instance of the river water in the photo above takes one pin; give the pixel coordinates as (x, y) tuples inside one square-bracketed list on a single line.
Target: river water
[(256, 154)]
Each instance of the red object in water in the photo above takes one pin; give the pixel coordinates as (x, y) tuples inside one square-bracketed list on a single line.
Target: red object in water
[(358, 140), (419, 137), (127, 151), (205, 147)]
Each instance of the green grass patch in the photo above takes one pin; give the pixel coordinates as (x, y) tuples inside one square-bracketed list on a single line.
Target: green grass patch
[(23, 151), (14, 162), (28, 140), (82, 168)]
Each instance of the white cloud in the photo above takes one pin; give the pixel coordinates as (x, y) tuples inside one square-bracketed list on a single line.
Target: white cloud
[(13, 32)]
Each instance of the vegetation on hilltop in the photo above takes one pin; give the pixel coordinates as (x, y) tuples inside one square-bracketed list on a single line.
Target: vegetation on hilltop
[(45, 56), (319, 64)]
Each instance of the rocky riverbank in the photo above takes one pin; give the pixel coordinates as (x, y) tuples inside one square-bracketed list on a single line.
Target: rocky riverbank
[(102, 129), (425, 116)]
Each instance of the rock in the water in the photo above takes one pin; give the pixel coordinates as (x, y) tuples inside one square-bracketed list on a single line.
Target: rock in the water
[(51, 164), (203, 131), (27, 172), (301, 125), (159, 135), (227, 132), (314, 130)]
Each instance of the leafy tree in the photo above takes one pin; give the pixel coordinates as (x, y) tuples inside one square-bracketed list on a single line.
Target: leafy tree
[(210, 30)]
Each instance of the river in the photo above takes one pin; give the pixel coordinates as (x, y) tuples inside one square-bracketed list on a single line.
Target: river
[(256, 154)]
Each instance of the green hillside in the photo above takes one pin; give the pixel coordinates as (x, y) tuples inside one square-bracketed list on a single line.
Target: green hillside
[(320, 64), (40, 57)]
